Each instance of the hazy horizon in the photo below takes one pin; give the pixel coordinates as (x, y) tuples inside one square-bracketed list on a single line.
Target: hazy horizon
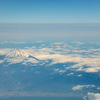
[(29, 32)]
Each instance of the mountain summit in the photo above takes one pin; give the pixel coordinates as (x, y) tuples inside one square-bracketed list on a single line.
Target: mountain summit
[(20, 56), (17, 53)]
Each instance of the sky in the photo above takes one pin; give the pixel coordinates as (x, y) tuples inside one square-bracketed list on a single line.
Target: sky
[(49, 19), (49, 11)]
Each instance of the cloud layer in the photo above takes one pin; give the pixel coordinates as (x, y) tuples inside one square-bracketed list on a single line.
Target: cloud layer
[(86, 60)]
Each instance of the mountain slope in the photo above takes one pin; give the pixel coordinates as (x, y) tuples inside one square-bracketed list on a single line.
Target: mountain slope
[(17, 53), (19, 56)]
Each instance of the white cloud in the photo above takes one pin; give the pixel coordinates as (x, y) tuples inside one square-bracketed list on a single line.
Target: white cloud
[(79, 75), (31, 60), (14, 60), (3, 42), (80, 87), (78, 42), (98, 88), (92, 65), (17, 42), (4, 51), (58, 58), (38, 42), (58, 43), (1, 61), (92, 62), (44, 54), (93, 96), (57, 69), (70, 74), (62, 71)]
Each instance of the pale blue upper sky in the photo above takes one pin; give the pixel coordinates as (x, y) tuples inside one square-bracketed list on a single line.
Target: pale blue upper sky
[(49, 11)]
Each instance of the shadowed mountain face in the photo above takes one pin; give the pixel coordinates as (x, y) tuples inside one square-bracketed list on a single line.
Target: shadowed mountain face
[(54, 70)]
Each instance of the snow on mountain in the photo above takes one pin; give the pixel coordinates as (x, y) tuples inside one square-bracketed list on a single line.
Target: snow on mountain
[(17, 53), (19, 56)]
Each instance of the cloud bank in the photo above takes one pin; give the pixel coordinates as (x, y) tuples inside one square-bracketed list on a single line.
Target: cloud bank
[(86, 60)]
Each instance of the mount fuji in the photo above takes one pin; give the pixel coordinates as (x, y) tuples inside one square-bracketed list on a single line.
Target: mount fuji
[(17, 53), (18, 56)]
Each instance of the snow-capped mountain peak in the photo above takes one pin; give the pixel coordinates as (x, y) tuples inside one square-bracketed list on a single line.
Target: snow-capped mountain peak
[(17, 53)]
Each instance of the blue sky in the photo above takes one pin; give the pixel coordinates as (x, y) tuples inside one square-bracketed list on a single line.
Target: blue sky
[(44, 19), (49, 11)]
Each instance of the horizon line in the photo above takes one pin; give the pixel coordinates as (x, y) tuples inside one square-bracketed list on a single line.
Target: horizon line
[(49, 23)]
